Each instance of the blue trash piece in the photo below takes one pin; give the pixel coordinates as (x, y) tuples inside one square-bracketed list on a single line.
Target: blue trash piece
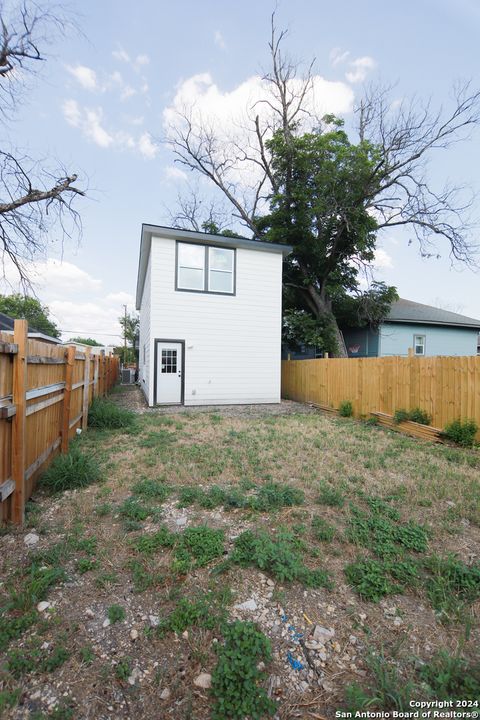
[(284, 618), (296, 664)]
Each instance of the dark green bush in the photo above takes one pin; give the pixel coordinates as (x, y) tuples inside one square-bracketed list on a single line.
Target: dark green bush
[(75, 469), (106, 415), (416, 415), (345, 409), (462, 433)]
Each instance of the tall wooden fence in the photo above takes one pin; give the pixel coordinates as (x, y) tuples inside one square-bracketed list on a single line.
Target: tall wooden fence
[(45, 392), (446, 387)]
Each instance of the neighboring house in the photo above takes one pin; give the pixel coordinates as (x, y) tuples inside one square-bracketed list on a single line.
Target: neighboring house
[(210, 318), (94, 349), (6, 325), (427, 330)]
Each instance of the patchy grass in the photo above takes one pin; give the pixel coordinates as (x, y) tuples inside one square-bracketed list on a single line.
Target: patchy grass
[(106, 415), (317, 522)]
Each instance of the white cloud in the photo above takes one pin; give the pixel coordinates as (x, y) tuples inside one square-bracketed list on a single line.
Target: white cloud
[(383, 260), (219, 40), (92, 123), (85, 76), (62, 286), (127, 92), (359, 69), (121, 55), (338, 56), (230, 114), (146, 146), (172, 172), (141, 60)]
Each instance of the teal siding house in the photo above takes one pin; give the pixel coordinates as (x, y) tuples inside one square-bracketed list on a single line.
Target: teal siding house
[(427, 330)]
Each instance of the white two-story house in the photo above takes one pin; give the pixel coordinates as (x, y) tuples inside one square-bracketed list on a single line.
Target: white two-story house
[(210, 318)]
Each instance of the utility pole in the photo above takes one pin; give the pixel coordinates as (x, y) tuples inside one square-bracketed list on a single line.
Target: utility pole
[(125, 337)]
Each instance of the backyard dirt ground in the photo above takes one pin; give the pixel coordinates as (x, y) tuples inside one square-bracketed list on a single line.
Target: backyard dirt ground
[(361, 568)]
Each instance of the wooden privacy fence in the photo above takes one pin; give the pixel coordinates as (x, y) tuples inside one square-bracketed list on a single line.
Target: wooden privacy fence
[(45, 392), (447, 388)]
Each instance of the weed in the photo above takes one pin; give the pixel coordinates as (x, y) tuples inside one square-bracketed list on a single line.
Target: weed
[(55, 659), (462, 433), (133, 509), (420, 416), (106, 415), (370, 578), (143, 578), (86, 564), (103, 509), (452, 585), (116, 613), (105, 579), (152, 489), (205, 611), (381, 535), (149, 544), (75, 469), (322, 530), (236, 679), (202, 543), (280, 556), (8, 698), (273, 496), (345, 409), (123, 669), (87, 655), (330, 496), (189, 495), (451, 677)]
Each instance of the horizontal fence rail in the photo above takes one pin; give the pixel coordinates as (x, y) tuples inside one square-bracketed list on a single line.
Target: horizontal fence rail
[(45, 393), (447, 388)]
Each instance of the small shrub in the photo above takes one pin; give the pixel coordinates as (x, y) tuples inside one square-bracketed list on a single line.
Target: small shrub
[(236, 679), (420, 416), (75, 469), (345, 409), (106, 415), (115, 613), (461, 433), (400, 416)]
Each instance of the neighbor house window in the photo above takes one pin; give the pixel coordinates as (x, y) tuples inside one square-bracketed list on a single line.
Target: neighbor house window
[(419, 344), (204, 268)]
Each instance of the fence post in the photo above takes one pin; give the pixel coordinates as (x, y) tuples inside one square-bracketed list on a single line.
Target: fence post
[(19, 399), (86, 388), (67, 396)]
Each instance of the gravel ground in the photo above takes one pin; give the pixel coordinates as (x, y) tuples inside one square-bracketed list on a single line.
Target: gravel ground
[(132, 398)]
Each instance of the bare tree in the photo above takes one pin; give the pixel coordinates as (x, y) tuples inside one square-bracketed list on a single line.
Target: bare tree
[(33, 197), (397, 191)]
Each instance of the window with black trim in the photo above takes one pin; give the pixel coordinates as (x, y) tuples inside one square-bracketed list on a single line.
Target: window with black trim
[(169, 361), (419, 344), (205, 268)]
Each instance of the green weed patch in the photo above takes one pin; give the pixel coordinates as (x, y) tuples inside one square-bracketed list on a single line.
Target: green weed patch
[(75, 469)]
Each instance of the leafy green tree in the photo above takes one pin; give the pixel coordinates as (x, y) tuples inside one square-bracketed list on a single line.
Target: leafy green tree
[(86, 341), (20, 306), (130, 324)]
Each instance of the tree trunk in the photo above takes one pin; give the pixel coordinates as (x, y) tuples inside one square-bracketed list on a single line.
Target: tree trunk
[(321, 307)]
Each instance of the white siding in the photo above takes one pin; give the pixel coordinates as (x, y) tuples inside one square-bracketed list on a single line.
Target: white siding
[(145, 339), (232, 343)]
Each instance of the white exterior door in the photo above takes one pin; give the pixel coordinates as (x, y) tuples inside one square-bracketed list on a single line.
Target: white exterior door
[(169, 372)]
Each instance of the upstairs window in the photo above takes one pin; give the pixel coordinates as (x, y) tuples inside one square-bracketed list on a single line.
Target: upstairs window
[(191, 267), (419, 344), (205, 268)]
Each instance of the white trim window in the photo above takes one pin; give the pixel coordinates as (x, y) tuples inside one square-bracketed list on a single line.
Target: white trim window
[(191, 267), (220, 270), (205, 268), (419, 344)]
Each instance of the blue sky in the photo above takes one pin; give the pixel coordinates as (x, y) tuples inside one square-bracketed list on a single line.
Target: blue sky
[(99, 106)]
